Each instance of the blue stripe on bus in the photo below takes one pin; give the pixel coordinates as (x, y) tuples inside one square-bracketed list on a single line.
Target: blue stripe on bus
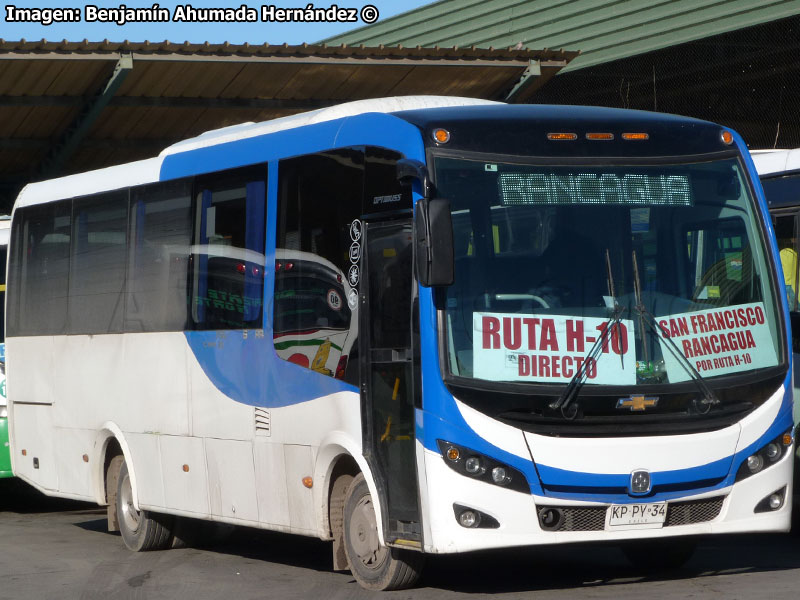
[(248, 370), (371, 129)]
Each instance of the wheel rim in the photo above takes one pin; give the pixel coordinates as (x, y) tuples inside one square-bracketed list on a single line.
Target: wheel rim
[(364, 535), (130, 515)]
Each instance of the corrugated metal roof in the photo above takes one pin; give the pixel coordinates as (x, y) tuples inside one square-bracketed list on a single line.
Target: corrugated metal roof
[(166, 92), (602, 30)]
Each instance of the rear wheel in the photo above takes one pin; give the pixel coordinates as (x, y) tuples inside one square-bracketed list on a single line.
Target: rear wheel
[(141, 530), (375, 567), (671, 553)]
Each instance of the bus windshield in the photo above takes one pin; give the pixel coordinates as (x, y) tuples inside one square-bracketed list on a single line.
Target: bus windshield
[(663, 266)]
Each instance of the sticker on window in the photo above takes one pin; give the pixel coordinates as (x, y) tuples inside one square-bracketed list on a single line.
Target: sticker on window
[(718, 341), (551, 348)]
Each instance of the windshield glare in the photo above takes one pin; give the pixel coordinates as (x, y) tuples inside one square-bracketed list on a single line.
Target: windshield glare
[(545, 253)]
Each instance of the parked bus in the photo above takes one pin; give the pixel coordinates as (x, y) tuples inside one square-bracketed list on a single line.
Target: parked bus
[(562, 324), (5, 453), (780, 177)]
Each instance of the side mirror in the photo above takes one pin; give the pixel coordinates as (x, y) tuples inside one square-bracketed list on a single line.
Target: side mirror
[(433, 242)]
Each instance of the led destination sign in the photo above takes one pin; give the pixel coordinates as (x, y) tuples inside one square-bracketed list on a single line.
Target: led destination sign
[(634, 189)]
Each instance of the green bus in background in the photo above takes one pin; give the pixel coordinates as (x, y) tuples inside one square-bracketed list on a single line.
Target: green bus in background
[(5, 453)]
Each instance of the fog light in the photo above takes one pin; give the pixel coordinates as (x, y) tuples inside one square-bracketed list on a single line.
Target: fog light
[(473, 466), (755, 463), (499, 476), (773, 451), (775, 501), (469, 518), (549, 518)]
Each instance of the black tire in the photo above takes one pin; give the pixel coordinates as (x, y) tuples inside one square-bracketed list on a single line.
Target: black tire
[(375, 567), (651, 555), (141, 530)]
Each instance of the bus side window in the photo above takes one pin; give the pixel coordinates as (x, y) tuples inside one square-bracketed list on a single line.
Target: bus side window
[(38, 304), (161, 236), (228, 251), (97, 269), (315, 309)]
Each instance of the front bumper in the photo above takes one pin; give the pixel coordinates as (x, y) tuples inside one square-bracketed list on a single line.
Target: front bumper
[(519, 525)]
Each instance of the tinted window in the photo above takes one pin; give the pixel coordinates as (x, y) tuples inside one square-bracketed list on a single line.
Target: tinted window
[(97, 277), (228, 251), (316, 276), (161, 237), (42, 238)]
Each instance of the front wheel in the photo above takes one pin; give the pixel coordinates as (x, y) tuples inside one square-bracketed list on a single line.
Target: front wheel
[(141, 530), (375, 567)]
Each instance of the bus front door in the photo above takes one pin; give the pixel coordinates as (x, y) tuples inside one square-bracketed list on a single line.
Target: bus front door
[(387, 390)]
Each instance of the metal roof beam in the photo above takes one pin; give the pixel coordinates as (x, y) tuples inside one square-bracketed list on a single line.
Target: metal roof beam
[(377, 60), (79, 128), (530, 75)]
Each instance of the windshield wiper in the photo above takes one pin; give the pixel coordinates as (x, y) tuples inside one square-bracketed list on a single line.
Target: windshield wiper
[(570, 393), (647, 318)]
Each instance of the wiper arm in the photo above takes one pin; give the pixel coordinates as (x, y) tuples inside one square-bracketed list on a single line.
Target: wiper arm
[(649, 319), (565, 400)]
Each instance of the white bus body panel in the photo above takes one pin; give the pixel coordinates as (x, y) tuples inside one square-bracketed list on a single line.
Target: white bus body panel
[(191, 450)]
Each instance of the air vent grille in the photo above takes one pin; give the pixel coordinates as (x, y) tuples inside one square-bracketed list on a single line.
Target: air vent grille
[(262, 419)]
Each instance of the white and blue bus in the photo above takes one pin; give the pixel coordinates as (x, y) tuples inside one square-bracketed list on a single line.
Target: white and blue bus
[(523, 325)]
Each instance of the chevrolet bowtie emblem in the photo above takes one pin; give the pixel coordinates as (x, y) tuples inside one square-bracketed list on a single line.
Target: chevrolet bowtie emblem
[(638, 402)]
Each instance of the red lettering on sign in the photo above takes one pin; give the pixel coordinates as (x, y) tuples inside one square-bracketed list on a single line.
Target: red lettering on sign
[(591, 368), (531, 324), (544, 365), (687, 349), (574, 334), (730, 321), (491, 333), (741, 318), (710, 322), (751, 343), (751, 316), (723, 344), (712, 341), (693, 319), (663, 326), (524, 365), (759, 315), (549, 340), (512, 333), (566, 366), (555, 365)]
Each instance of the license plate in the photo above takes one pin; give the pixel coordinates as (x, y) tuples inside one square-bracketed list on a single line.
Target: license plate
[(634, 515)]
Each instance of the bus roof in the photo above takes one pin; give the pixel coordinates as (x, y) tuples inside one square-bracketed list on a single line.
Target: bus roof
[(147, 171), (481, 117), (775, 162)]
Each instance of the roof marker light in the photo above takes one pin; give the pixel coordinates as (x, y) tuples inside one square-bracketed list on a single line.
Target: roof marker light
[(599, 136), (636, 136), (441, 136), (562, 136), (727, 137)]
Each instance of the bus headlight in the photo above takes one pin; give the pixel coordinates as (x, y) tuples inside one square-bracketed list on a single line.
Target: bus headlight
[(765, 457), (478, 466)]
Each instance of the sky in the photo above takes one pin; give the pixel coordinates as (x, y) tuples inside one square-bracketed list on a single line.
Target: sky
[(263, 30)]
